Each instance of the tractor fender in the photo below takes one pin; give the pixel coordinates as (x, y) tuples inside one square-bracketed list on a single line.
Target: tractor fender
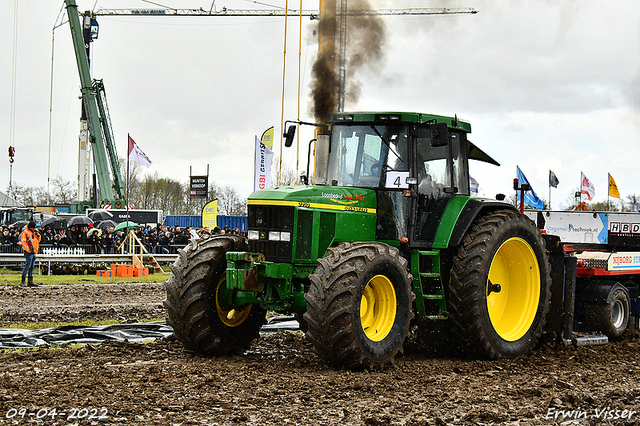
[(598, 291), (471, 210)]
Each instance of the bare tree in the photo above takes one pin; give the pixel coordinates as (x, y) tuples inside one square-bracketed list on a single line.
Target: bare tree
[(22, 194), (287, 177), (63, 191), (630, 203), (230, 203)]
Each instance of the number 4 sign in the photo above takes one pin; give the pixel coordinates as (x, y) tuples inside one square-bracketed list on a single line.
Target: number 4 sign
[(397, 180)]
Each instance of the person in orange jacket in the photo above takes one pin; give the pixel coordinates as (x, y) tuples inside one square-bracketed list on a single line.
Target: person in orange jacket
[(30, 241)]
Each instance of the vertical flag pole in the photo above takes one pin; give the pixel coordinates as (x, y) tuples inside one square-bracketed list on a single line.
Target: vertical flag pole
[(284, 65), (579, 191), (126, 202), (128, 151), (608, 191)]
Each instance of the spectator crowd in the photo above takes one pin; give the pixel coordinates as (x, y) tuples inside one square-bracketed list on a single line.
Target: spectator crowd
[(158, 239)]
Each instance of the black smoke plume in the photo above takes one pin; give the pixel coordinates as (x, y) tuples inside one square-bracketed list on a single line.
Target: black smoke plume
[(365, 43), (325, 89)]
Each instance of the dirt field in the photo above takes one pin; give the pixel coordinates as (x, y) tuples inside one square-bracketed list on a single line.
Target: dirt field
[(281, 382)]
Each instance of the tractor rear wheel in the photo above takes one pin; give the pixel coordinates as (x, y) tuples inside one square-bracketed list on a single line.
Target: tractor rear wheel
[(199, 321), (359, 305), (500, 285)]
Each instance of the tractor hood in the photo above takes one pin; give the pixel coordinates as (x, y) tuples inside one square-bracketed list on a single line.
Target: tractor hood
[(318, 197)]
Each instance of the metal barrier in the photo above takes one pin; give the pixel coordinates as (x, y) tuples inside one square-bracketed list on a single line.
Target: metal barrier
[(11, 256), (90, 249), (9, 260)]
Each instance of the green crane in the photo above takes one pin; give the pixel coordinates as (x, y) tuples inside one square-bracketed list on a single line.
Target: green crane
[(96, 114)]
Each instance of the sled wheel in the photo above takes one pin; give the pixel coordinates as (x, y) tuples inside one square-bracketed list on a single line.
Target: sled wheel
[(359, 305), (500, 285), (197, 279), (611, 318)]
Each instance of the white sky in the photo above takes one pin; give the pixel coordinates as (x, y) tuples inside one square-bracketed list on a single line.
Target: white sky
[(546, 84)]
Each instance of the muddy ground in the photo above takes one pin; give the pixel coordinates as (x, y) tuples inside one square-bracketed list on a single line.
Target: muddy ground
[(281, 382)]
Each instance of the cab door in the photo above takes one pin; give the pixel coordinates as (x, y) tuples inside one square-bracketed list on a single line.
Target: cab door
[(441, 171)]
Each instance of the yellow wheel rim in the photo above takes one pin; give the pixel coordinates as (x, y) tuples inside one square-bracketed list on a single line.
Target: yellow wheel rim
[(513, 289), (378, 308), (234, 317)]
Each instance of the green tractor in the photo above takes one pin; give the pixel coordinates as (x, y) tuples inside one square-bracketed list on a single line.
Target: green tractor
[(388, 237)]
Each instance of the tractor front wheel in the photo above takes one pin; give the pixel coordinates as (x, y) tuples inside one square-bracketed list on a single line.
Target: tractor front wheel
[(194, 291), (359, 305), (500, 285)]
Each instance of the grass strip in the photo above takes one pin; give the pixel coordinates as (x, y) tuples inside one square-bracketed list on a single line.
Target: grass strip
[(30, 325), (11, 277)]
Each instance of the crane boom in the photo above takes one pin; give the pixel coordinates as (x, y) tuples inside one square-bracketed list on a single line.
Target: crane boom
[(94, 104), (107, 132), (313, 14)]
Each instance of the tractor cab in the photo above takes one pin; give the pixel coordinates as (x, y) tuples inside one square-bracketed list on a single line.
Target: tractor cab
[(415, 163)]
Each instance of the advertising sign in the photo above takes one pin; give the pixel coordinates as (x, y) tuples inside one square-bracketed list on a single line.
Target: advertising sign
[(616, 229), (199, 186)]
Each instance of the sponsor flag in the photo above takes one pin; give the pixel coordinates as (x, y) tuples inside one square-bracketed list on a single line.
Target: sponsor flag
[(613, 188), (137, 155), (267, 138), (262, 172), (586, 187), (553, 179), (530, 196), (473, 185), (210, 215)]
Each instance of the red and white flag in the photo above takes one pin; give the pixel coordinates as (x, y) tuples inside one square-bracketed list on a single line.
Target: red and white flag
[(586, 187), (136, 154)]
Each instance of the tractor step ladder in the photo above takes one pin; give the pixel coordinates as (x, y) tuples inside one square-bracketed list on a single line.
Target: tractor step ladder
[(431, 283)]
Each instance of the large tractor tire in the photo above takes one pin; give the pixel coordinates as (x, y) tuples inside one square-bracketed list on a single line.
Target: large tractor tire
[(359, 305), (611, 318), (500, 286), (198, 320)]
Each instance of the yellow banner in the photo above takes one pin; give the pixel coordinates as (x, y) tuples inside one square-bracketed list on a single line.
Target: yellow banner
[(267, 138), (210, 215), (613, 188)]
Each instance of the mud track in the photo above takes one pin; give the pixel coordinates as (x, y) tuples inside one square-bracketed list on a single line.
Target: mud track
[(280, 381)]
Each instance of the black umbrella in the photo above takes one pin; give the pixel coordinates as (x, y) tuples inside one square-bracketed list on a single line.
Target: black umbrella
[(99, 215), (106, 224), (54, 222), (20, 224), (49, 221), (80, 220)]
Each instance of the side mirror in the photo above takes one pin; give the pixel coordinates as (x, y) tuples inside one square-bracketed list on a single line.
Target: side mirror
[(439, 134), (288, 136)]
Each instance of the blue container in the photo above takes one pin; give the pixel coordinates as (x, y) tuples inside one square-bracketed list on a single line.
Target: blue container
[(183, 221), (195, 221), (233, 222)]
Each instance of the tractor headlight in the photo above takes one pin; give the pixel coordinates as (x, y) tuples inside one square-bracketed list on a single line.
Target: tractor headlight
[(279, 236), (274, 236), (253, 235)]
